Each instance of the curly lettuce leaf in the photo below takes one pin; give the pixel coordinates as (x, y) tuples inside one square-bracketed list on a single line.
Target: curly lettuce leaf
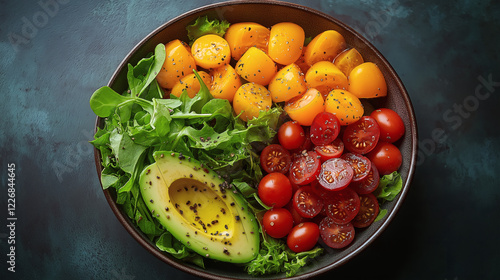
[(203, 26)]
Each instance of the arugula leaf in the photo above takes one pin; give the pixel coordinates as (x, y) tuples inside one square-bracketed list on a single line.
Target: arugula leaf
[(203, 26)]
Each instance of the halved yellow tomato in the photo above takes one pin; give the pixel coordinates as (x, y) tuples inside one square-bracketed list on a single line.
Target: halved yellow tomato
[(250, 99), (304, 108), (243, 35), (367, 81), (347, 60), (256, 66), (179, 62), (325, 76), (225, 82), (211, 51), (288, 83), (324, 47), (285, 42), (191, 84), (345, 105)]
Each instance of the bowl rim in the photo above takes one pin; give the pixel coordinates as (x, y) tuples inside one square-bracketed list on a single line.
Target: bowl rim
[(140, 237)]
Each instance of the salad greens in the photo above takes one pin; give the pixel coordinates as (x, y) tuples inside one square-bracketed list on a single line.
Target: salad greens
[(203, 26), (389, 187)]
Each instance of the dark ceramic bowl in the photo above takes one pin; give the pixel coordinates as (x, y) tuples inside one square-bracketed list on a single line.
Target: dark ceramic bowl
[(268, 13)]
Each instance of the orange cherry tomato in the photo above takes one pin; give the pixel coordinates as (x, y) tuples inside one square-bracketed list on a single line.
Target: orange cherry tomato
[(243, 35), (325, 76), (179, 62), (211, 51), (304, 108), (225, 82), (256, 66), (324, 47), (347, 60), (285, 42), (367, 81), (250, 99), (191, 84), (345, 105), (288, 83)]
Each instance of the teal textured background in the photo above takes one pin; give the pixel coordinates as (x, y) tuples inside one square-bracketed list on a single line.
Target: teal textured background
[(54, 54)]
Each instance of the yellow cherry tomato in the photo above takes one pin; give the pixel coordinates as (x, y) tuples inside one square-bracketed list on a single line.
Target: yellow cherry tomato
[(225, 82), (285, 42), (288, 83), (191, 84), (325, 76), (345, 105), (367, 81), (324, 47), (301, 62), (243, 35), (256, 66), (179, 62), (347, 60), (304, 108), (250, 99), (211, 51)]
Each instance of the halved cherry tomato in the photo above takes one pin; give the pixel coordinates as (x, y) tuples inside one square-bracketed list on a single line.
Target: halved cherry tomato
[(342, 206), (324, 47), (347, 60), (362, 136), (179, 62), (277, 222), (368, 211), (275, 158), (275, 190), (386, 157), (304, 108), (368, 184), (324, 129), (287, 83), (307, 145), (329, 151), (256, 66), (291, 135), (225, 82), (285, 42), (307, 203), (345, 105), (305, 168), (360, 164), (303, 237), (325, 76), (297, 218), (335, 174), (211, 51), (250, 99), (190, 84), (391, 125), (334, 235)]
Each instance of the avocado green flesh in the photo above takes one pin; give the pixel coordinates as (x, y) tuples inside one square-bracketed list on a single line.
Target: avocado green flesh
[(190, 201)]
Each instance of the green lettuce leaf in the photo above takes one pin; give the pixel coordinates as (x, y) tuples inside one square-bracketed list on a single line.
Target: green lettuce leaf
[(203, 26)]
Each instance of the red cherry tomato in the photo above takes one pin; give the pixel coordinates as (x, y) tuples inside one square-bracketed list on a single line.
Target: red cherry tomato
[(275, 190), (275, 158), (334, 235), (324, 129), (303, 237), (305, 168), (297, 218), (368, 211), (386, 157), (391, 125), (329, 151), (342, 206), (368, 184), (277, 222), (291, 135), (335, 174), (360, 164), (361, 136), (307, 203)]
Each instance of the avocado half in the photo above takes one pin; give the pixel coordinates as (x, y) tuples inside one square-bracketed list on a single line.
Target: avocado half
[(200, 209)]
